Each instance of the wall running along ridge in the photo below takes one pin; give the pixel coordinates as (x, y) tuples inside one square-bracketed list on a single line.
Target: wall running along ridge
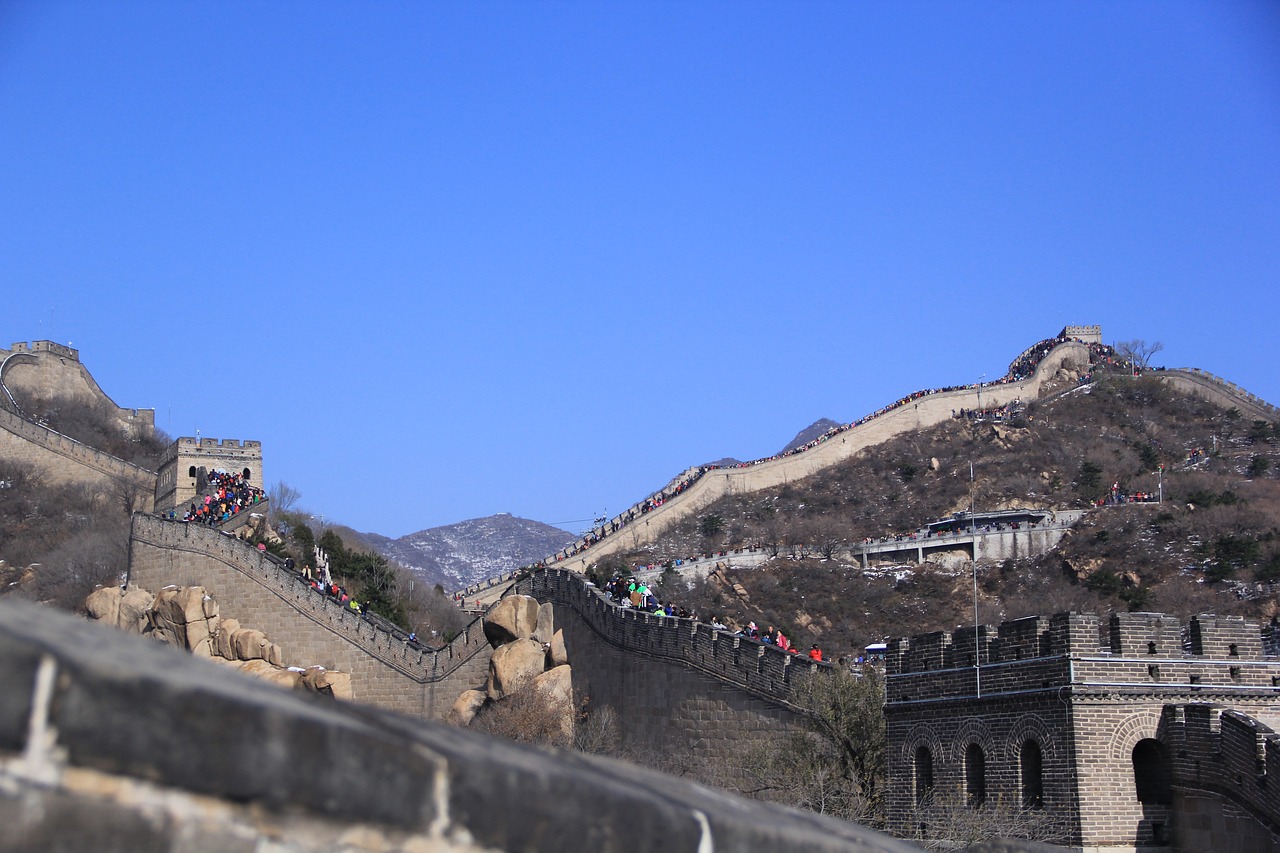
[(677, 687), (310, 628)]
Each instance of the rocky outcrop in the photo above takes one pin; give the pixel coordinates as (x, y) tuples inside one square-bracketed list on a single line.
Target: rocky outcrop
[(529, 658), (188, 618), (514, 666), (513, 618)]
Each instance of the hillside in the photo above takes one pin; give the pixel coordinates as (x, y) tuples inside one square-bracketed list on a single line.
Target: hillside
[(1203, 549), (455, 555)]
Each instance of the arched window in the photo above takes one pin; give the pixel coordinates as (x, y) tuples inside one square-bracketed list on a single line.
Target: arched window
[(1151, 772), (1032, 766), (924, 773), (246, 475), (975, 775), (191, 472)]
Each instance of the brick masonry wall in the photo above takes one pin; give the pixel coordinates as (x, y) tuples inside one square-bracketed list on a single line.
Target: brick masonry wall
[(1088, 696), (310, 628), (117, 744), (678, 687), (999, 725), (917, 414), (65, 460)]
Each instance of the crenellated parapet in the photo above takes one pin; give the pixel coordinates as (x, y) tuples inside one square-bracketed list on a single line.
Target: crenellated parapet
[(1220, 752), (46, 346), (761, 669), (1084, 334), (178, 479), (310, 627), (1115, 713)]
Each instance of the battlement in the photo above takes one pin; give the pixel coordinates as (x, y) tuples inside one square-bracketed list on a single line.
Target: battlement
[(46, 346), (1142, 651), (1088, 334), (758, 668), (259, 590), (178, 477), (216, 445)]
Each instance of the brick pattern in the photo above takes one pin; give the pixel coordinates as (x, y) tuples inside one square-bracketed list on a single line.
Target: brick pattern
[(678, 688), (1088, 696), (760, 669), (310, 628)]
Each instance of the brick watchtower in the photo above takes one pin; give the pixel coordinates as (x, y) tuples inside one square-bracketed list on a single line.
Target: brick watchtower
[(187, 459), (1133, 735)]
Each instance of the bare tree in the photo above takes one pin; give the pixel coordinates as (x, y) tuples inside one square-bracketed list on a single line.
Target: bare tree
[(128, 493), (943, 822), (1138, 352), (282, 498)]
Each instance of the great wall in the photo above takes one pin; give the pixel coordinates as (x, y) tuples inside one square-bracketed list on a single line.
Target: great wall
[(1059, 699)]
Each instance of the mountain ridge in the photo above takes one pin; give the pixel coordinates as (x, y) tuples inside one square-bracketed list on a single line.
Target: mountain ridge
[(456, 555)]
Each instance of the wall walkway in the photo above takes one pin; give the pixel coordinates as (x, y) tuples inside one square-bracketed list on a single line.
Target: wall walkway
[(64, 459), (309, 627), (1216, 390)]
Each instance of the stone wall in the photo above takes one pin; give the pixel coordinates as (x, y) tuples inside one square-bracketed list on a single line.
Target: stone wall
[(920, 413), (44, 369), (1087, 693), (1220, 392), (309, 627), (110, 742), (678, 687), (176, 479), (65, 460)]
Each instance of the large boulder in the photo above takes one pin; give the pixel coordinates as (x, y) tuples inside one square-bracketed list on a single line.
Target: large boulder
[(546, 623), (327, 681), (513, 666), (222, 638), (249, 644), (134, 605), (466, 707), (103, 605), (555, 686), (557, 655), (181, 616), (290, 678), (513, 618)]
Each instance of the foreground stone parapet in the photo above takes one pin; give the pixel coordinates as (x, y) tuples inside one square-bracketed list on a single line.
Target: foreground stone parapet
[(102, 730)]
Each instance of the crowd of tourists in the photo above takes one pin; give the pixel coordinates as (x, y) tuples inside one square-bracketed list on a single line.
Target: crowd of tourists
[(1022, 368), (628, 592), (1119, 496), (992, 413), (226, 496)]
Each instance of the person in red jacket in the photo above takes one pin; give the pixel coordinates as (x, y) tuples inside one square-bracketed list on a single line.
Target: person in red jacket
[(815, 653)]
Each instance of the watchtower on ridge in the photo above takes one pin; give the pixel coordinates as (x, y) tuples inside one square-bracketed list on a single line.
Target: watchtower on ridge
[(188, 460)]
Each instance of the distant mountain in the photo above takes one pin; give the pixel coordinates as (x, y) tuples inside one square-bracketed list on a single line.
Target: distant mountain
[(457, 555), (809, 433)]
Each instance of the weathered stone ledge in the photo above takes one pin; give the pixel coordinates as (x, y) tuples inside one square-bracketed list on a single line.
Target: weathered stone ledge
[(80, 701)]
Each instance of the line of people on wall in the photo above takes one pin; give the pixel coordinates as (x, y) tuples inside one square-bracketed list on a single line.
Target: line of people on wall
[(1022, 368), (1118, 496), (228, 495), (628, 592)]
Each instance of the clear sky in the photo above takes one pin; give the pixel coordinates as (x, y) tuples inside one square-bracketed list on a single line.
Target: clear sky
[(452, 259)]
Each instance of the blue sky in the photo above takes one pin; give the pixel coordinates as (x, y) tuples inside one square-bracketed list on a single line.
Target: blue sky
[(446, 259)]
